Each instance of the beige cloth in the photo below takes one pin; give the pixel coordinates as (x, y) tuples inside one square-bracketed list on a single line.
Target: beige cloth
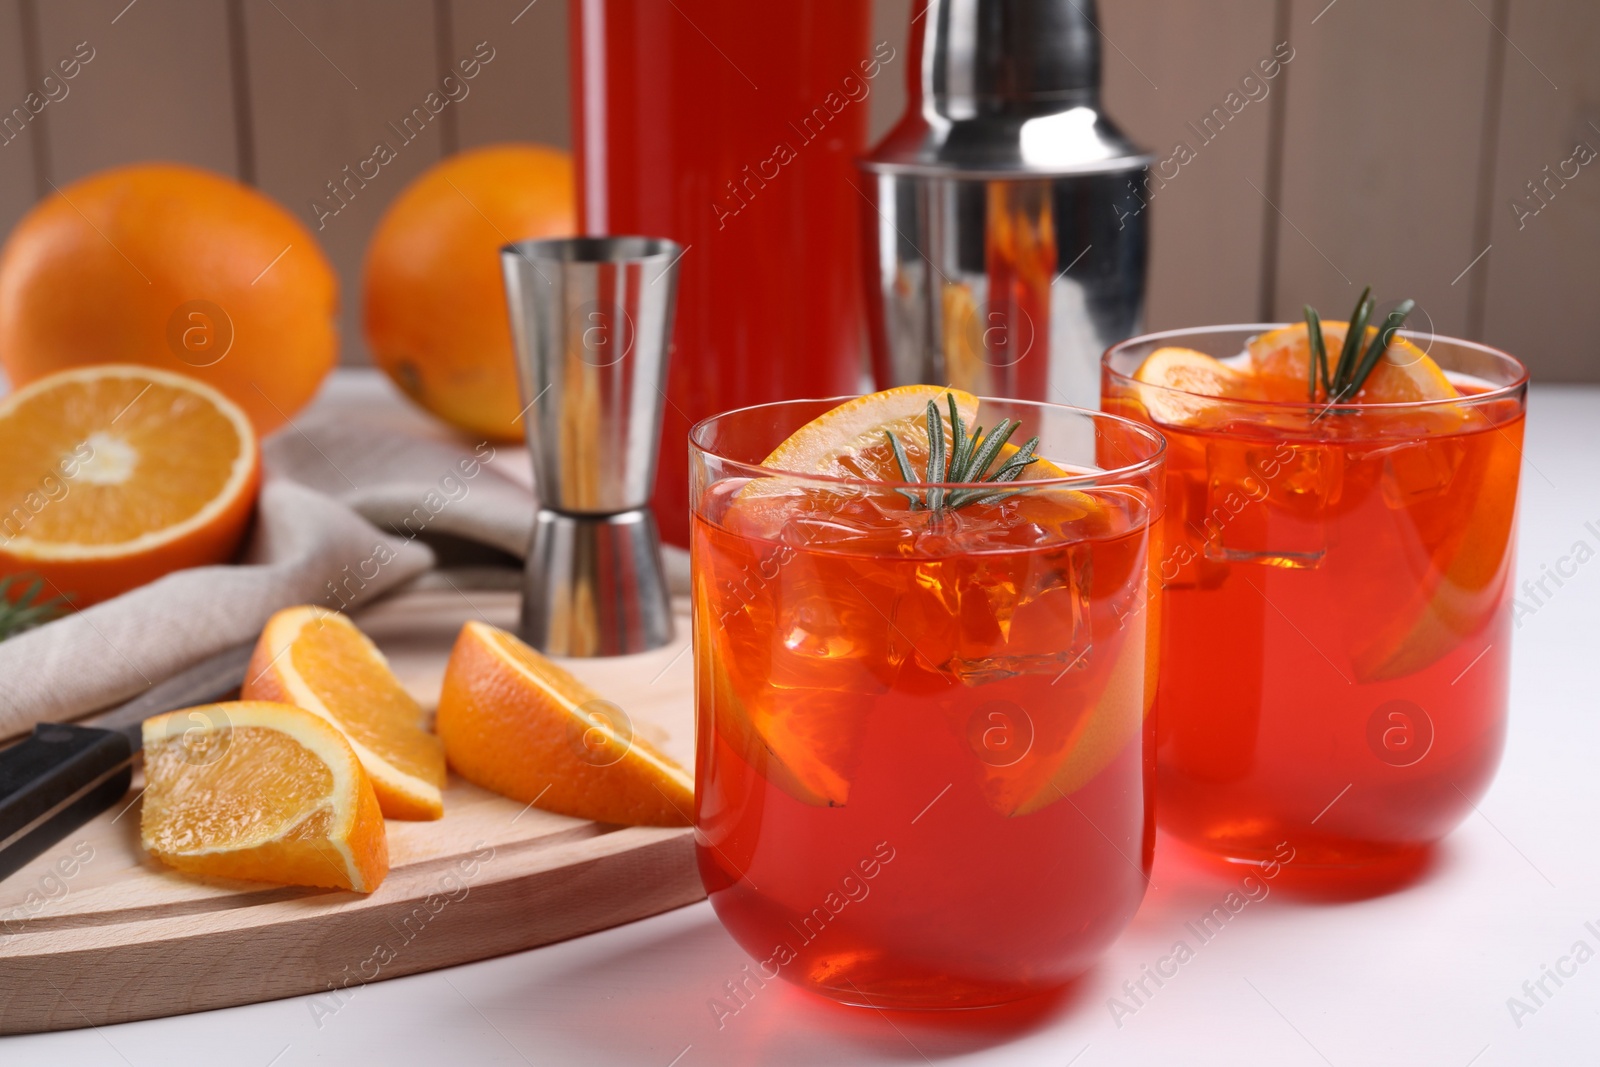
[(344, 498)]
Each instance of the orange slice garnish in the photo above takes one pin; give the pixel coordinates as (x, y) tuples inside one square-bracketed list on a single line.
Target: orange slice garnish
[(262, 791), (1188, 381), (115, 475), (1404, 374), (516, 723), (850, 441), (317, 660)]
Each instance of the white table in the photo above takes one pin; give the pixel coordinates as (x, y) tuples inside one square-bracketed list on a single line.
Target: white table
[(1420, 976)]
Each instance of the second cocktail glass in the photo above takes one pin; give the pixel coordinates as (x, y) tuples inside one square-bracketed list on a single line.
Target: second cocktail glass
[(924, 773), (1337, 592)]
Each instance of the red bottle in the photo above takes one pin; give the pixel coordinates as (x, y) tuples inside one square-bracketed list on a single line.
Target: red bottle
[(732, 128)]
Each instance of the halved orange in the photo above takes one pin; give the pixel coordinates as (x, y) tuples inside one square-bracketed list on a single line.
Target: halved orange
[(1403, 374), (317, 660), (115, 475), (518, 724), (263, 791)]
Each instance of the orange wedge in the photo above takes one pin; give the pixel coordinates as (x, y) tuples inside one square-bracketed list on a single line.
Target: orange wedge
[(262, 791), (1404, 373), (115, 475), (317, 660), (516, 723)]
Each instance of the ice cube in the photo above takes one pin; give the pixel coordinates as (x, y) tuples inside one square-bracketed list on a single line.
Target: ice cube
[(1417, 470), (1023, 614), (1269, 503), (858, 523)]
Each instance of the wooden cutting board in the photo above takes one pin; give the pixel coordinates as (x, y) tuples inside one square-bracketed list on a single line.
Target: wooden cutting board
[(95, 932)]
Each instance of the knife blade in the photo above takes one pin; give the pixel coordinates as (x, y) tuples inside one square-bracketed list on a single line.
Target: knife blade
[(65, 774)]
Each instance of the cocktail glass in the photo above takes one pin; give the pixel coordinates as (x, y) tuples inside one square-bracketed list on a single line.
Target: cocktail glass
[(924, 752), (1337, 606)]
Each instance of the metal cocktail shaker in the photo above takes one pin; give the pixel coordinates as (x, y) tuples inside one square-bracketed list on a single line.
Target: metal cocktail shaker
[(1005, 242), (591, 319)]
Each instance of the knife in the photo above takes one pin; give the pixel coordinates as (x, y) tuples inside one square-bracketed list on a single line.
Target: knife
[(67, 773)]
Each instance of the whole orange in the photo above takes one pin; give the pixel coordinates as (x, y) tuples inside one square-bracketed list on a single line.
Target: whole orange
[(176, 268), (434, 301)]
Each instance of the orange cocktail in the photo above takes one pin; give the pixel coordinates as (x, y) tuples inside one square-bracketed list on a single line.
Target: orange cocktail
[(1337, 582), (923, 776)]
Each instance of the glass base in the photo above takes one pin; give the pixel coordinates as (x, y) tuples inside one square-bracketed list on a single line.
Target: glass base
[(1322, 869), (924, 1000)]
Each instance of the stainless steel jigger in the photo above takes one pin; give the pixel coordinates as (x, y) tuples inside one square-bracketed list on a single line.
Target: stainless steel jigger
[(591, 318)]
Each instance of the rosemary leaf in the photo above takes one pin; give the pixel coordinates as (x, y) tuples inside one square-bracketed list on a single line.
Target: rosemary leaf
[(26, 610), (1319, 352), (1353, 337), (960, 443), (1355, 365), (1012, 467), (1380, 344), (966, 460), (989, 449), (937, 469), (904, 463)]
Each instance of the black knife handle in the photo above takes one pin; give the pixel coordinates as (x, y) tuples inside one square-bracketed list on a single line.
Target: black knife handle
[(54, 782)]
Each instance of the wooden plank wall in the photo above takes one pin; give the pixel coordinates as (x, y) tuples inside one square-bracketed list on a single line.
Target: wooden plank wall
[(1393, 148)]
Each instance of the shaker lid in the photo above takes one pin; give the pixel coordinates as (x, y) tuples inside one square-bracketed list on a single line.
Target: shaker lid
[(1004, 87)]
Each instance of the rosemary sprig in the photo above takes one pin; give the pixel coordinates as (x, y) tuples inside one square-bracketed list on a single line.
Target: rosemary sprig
[(1354, 366), (26, 610), (967, 459)]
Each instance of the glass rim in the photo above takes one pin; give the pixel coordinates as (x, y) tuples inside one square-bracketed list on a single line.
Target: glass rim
[(1125, 472), (1501, 392)]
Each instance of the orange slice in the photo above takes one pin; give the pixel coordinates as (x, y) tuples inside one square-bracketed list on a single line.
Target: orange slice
[(1404, 373), (317, 660), (514, 722), (1412, 630), (1113, 722), (115, 475), (731, 718), (1189, 381), (263, 791), (849, 441)]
